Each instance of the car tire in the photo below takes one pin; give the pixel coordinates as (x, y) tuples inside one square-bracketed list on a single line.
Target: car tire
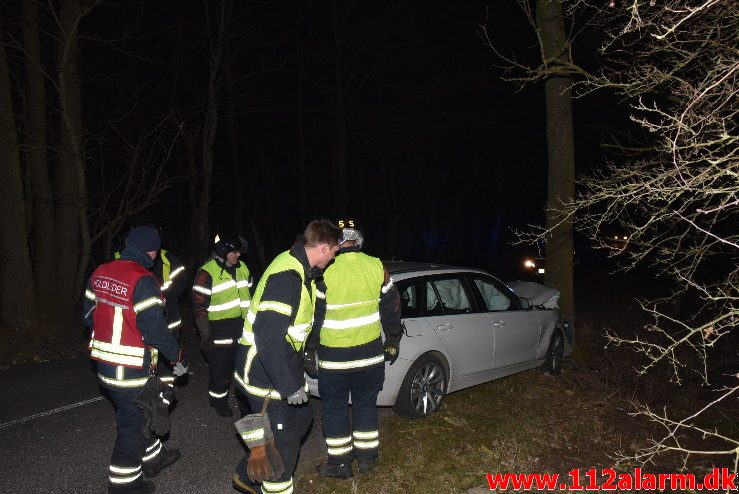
[(423, 388), (555, 354)]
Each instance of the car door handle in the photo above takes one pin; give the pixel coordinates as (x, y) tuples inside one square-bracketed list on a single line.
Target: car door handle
[(444, 327), (499, 324)]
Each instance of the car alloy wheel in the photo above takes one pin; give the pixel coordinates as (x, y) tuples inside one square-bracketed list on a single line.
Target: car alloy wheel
[(423, 388)]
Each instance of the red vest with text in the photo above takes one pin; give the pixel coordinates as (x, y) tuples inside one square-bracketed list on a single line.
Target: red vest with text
[(116, 339)]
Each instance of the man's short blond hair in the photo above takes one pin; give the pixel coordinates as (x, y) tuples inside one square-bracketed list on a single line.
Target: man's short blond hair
[(321, 232)]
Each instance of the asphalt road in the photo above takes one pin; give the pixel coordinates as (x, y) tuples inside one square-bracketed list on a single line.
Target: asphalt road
[(57, 432)]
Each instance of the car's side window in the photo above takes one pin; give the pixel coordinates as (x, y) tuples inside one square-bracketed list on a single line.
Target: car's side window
[(452, 294), (408, 300), (493, 298), (433, 306)]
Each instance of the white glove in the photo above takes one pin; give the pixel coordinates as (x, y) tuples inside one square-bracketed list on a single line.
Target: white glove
[(297, 397), (180, 368)]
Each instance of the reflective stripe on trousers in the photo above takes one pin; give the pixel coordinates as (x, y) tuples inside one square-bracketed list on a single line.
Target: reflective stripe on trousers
[(289, 424), (130, 451), (220, 371), (359, 437)]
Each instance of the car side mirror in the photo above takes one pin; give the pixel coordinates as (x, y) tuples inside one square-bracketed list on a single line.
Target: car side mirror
[(525, 304)]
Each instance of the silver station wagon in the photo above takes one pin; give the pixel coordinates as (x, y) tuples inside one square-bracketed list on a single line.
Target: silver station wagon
[(464, 327)]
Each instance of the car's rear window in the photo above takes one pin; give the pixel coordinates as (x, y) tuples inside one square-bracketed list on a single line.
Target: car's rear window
[(447, 296)]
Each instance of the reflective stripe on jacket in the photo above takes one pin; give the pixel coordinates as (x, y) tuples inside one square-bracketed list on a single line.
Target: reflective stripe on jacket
[(116, 338), (350, 336), (353, 284)]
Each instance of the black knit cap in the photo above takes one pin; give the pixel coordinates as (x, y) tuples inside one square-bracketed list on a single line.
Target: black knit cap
[(144, 238)]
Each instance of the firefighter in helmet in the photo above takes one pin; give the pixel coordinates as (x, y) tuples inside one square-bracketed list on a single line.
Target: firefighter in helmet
[(221, 299)]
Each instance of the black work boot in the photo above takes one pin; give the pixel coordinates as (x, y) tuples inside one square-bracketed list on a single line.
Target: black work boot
[(366, 465), (143, 488), (241, 486), (169, 457), (334, 471)]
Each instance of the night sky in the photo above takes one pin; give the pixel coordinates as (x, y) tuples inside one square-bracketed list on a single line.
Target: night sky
[(443, 156)]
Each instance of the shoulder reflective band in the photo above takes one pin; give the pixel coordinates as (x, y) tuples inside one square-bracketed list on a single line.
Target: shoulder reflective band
[(284, 309), (387, 287), (145, 304)]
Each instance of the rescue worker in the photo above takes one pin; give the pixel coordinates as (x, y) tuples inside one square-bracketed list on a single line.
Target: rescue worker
[(280, 319), (125, 312), (169, 271), (360, 303), (220, 300)]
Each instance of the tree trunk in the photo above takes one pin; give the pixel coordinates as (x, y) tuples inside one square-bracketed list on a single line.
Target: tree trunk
[(340, 145), (561, 154), (190, 142), (17, 300), (73, 238), (210, 128), (42, 221), (238, 171), (300, 114)]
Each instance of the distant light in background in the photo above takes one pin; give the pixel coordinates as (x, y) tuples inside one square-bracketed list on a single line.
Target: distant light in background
[(529, 263)]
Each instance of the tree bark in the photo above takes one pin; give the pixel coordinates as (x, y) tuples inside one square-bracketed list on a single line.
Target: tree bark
[(42, 220), (73, 238), (561, 156), (17, 300)]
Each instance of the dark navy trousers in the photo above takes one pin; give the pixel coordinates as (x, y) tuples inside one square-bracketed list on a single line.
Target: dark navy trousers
[(221, 363), (132, 451), (358, 437), (290, 424)]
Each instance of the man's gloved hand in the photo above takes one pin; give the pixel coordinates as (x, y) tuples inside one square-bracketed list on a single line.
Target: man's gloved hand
[(310, 364), (179, 367), (206, 340), (298, 397), (392, 349)]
